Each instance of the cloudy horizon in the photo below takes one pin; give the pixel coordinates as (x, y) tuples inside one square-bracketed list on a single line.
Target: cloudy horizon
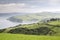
[(29, 6)]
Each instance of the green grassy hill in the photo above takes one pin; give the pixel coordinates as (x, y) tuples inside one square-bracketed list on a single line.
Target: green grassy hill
[(41, 28), (33, 17), (49, 30)]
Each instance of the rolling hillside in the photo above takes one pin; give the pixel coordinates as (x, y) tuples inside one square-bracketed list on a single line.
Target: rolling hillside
[(35, 17), (52, 27), (43, 24)]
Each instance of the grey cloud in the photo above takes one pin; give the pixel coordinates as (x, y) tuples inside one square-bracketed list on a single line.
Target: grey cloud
[(21, 1), (31, 5)]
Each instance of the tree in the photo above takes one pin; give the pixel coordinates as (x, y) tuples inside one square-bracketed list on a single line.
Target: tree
[(43, 30)]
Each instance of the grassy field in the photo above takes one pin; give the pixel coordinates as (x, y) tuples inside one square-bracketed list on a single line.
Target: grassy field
[(5, 36), (54, 23)]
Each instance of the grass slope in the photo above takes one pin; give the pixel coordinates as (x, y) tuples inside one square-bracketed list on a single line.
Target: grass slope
[(5, 36), (53, 25), (56, 26)]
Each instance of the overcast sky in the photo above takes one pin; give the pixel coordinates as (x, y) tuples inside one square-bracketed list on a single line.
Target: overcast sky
[(29, 6)]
